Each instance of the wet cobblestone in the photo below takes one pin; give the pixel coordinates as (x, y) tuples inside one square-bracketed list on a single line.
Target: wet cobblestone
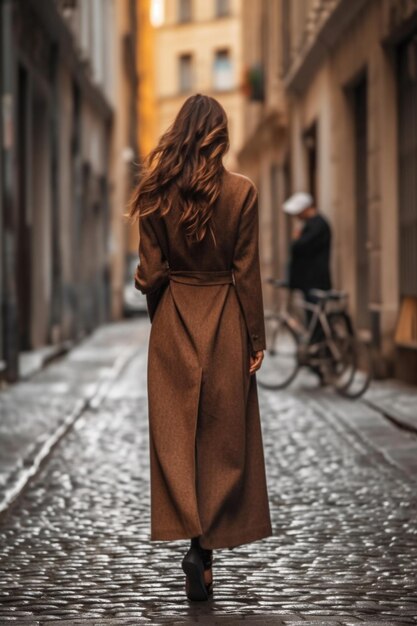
[(34, 414), (75, 549)]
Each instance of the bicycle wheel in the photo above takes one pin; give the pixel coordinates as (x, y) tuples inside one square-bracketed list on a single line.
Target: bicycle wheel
[(280, 364), (351, 364), (340, 363), (357, 373)]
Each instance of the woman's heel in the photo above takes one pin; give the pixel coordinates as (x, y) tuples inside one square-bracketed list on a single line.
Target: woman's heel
[(193, 568)]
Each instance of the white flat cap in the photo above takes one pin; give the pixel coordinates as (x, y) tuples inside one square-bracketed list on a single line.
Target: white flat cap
[(297, 203)]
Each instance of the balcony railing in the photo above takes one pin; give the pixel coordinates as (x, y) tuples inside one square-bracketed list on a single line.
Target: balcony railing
[(312, 21), (317, 34)]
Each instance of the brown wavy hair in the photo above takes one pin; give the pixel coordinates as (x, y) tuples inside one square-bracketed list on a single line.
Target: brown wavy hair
[(186, 167)]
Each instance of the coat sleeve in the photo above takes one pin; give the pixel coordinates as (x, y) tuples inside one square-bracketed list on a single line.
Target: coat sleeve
[(314, 236), (152, 272), (246, 270)]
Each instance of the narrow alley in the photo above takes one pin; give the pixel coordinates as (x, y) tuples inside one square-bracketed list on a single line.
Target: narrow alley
[(75, 545)]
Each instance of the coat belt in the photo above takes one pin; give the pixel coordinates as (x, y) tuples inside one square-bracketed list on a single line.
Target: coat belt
[(190, 277)]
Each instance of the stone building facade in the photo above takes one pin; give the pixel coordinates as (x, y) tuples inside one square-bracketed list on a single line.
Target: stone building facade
[(263, 152), (68, 139), (348, 70)]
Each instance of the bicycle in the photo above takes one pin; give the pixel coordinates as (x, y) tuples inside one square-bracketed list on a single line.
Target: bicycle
[(340, 359)]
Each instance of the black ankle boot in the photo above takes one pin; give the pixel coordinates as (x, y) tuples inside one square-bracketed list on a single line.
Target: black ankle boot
[(195, 562)]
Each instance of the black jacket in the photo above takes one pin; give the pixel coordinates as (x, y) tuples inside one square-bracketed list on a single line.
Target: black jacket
[(310, 256)]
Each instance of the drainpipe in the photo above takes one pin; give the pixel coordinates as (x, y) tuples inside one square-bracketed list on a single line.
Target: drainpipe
[(8, 233)]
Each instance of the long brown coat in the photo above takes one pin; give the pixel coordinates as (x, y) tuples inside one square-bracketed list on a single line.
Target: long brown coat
[(205, 304)]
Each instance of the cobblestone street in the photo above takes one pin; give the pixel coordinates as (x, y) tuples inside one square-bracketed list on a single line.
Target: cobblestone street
[(74, 546)]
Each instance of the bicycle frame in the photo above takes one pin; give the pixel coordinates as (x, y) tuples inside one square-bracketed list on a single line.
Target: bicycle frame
[(305, 333), (335, 354), (320, 318)]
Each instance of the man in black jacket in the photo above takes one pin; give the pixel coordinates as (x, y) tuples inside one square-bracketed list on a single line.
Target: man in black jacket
[(310, 251)]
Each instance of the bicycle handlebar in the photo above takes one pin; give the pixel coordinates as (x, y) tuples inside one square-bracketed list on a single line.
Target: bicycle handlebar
[(331, 294), (277, 282), (320, 294)]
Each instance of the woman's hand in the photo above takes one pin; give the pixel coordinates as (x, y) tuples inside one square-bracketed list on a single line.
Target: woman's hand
[(255, 361)]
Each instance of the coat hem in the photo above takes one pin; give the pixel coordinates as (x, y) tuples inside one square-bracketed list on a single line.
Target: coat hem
[(171, 535), (233, 541), (222, 541)]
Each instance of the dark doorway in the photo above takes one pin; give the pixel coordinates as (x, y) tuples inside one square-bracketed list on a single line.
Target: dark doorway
[(406, 331), (287, 218), (407, 154), (24, 221), (275, 235), (311, 149), (360, 120)]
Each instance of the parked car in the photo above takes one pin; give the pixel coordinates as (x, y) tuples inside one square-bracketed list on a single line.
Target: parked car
[(134, 302)]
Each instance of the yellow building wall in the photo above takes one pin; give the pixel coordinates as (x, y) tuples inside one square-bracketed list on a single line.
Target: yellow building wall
[(201, 37), (146, 114), (145, 62)]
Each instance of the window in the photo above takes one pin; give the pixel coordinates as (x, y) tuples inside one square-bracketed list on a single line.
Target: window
[(223, 71), (222, 8), (157, 15), (185, 72), (310, 147), (184, 10)]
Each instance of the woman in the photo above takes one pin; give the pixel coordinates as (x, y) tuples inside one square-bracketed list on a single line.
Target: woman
[(199, 268)]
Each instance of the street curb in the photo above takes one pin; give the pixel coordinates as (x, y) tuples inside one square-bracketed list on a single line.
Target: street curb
[(396, 400), (51, 354), (393, 416), (396, 445), (32, 464)]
